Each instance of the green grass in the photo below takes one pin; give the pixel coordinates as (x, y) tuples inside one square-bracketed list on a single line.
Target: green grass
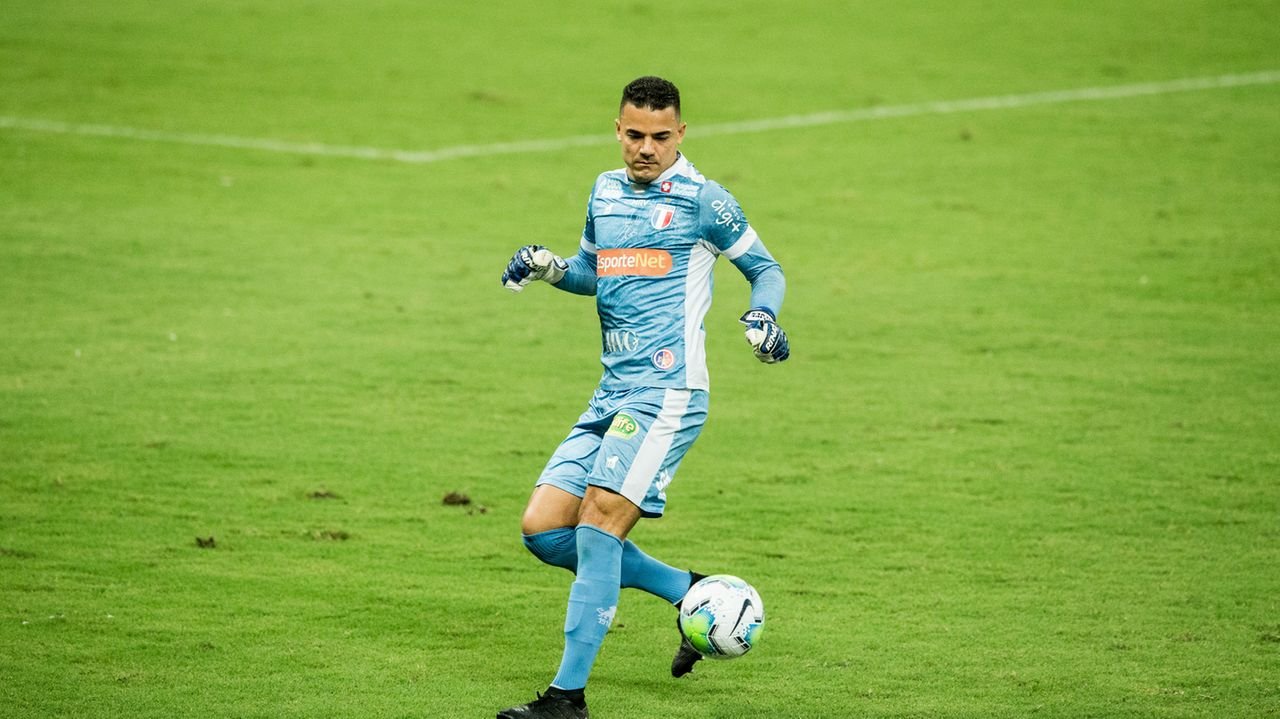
[(1023, 462)]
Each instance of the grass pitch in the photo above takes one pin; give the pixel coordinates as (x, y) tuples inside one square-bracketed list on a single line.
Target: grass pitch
[(1023, 462)]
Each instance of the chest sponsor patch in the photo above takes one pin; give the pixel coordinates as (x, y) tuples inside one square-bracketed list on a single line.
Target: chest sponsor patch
[(633, 261)]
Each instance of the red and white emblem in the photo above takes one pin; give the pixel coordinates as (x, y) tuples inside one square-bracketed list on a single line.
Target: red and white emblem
[(662, 217), (665, 186)]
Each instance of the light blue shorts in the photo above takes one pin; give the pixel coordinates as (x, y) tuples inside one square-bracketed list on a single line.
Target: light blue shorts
[(630, 442)]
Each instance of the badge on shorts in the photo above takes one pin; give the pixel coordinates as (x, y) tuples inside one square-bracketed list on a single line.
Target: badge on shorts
[(624, 426), (664, 359)]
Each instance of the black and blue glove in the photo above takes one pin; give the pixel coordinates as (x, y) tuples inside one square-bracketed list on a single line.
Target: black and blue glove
[(533, 262), (766, 338)]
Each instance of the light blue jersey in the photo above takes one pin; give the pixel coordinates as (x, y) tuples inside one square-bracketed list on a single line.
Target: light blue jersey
[(646, 252)]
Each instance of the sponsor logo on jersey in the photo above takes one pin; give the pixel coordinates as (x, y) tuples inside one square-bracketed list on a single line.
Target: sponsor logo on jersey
[(665, 186), (662, 217), (664, 359), (633, 261), (624, 426), (620, 341)]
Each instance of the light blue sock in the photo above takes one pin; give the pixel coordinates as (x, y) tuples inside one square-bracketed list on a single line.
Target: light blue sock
[(641, 571), (593, 600), (558, 547)]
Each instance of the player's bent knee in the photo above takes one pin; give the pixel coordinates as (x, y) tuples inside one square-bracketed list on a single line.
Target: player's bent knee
[(609, 512), (557, 547), (549, 508)]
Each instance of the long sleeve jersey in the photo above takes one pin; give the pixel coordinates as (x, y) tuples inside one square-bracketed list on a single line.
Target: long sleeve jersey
[(646, 253)]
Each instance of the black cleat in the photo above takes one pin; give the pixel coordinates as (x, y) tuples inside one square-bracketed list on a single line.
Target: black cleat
[(686, 655), (552, 705)]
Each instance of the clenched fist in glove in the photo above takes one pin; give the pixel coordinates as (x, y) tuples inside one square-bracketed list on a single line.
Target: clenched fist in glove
[(533, 262), (766, 338)]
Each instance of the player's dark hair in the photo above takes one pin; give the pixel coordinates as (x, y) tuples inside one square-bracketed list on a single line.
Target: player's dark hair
[(651, 93)]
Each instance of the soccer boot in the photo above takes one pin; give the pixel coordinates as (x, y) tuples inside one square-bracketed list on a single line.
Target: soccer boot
[(552, 705), (686, 656)]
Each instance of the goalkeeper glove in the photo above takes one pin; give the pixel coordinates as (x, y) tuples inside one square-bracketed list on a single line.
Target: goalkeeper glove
[(766, 338), (533, 262)]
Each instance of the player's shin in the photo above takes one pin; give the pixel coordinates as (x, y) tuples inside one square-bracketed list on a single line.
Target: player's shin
[(593, 601)]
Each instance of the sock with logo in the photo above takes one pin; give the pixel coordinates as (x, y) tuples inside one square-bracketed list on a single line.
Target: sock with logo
[(559, 547), (593, 600)]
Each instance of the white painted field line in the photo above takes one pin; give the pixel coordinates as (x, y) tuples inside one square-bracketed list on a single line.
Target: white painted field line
[(999, 102), (836, 117)]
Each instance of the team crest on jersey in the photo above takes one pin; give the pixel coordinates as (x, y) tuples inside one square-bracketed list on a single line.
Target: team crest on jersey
[(664, 359), (665, 186), (662, 217)]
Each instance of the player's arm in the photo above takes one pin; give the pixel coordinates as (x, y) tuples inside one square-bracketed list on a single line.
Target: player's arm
[(535, 262), (768, 283), (580, 271), (727, 228), (768, 287)]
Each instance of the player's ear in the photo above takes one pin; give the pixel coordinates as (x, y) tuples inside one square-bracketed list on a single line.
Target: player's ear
[(617, 128), (680, 134)]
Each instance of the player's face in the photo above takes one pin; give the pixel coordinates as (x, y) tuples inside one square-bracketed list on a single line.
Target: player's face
[(650, 139)]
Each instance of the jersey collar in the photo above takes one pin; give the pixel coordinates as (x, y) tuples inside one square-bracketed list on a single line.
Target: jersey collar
[(677, 168)]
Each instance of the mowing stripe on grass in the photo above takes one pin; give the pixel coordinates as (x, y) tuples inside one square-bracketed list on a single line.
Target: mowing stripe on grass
[(836, 117)]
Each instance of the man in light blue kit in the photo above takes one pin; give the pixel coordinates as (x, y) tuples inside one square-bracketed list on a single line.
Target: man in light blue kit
[(654, 229)]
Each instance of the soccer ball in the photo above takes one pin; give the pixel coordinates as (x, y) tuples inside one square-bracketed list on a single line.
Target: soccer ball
[(722, 616)]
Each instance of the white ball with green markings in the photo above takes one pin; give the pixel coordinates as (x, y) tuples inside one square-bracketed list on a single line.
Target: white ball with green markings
[(722, 616)]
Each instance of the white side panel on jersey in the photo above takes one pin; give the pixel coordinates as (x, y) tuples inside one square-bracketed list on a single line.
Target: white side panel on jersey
[(744, 243), (587, 246), (697, 300), (657, 443)]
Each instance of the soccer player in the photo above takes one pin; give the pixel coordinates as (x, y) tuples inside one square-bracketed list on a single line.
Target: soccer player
[(654, 229)]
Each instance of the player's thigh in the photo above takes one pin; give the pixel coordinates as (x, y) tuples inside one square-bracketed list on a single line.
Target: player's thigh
[(550, 507), (563, 482), (608, 511), (639, 455)]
